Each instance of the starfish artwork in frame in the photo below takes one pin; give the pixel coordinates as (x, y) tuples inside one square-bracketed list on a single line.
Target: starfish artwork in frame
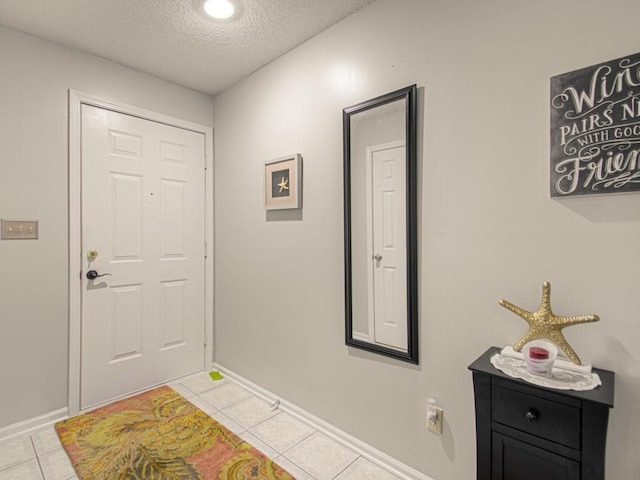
[(283, 182)]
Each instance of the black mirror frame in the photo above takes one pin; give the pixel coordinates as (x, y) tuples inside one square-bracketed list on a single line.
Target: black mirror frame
[(409, 94)]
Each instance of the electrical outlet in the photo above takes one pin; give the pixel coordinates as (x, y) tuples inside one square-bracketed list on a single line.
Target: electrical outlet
[(434, 417)]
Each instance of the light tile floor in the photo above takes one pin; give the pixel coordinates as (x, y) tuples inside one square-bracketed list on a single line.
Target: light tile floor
[(304, 452)]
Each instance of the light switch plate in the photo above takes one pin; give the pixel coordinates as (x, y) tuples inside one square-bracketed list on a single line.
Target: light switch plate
[(19, 229)]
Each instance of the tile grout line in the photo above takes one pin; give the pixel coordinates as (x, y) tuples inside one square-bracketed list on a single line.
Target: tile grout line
[(37, 456), (298, 466), (300, 441), (345, 468), (260, 423)]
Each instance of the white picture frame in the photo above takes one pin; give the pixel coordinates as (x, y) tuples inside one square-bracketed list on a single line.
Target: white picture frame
[(283, 183)]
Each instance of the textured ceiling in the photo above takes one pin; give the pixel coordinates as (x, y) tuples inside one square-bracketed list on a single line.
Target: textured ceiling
[(170, 39)]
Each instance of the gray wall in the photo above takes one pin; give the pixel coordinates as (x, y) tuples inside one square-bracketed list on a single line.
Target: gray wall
[(34, 79), (488, 229)]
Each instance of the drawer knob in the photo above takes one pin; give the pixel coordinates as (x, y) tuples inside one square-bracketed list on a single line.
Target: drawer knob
[(532, 416)]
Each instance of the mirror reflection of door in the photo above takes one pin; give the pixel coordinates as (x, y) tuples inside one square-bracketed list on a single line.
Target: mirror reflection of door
[(377, 135), (386, 214), (380, 225)]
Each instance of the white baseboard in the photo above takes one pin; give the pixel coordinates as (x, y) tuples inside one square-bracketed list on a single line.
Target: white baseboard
[(32, 424), (375, 456)]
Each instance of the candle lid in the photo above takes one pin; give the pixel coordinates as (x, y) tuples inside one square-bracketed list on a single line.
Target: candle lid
[(538, 353)]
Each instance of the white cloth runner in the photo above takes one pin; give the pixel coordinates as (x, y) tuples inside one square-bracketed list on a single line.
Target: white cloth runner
[(559, 379), (561, 362)]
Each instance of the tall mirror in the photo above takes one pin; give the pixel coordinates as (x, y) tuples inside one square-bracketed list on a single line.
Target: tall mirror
[(380, 225)]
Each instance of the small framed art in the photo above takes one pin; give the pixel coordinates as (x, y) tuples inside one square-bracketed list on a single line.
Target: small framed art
[(283, 182)]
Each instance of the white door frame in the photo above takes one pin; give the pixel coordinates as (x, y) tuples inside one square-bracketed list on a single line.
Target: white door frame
[(76, 100)]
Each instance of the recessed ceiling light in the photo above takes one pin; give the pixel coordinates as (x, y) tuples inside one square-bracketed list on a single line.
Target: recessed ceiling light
[(219, 9)]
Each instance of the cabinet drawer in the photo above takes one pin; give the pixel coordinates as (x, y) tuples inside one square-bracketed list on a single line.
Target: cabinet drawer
[(537, 416)]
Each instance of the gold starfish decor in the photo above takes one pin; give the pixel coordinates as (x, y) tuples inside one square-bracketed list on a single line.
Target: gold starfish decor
[(545, 324)]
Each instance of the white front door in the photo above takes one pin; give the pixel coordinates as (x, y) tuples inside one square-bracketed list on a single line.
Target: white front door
[(143, 213), (389, 260)]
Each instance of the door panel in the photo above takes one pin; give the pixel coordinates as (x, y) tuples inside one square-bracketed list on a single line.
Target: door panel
[(143, 211), (173, 213), (173, 314), (126, 215), (125, 326)]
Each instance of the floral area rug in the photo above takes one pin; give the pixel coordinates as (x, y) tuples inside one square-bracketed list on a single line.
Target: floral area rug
[(158, 435)]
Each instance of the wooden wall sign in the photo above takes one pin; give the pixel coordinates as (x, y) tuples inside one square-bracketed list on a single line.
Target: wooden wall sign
[(595, 129)]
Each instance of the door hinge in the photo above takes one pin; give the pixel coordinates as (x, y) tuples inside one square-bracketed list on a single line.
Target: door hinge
[(205, 250)]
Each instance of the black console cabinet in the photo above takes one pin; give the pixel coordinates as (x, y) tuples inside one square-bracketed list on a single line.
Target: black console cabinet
[(526, 432)]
